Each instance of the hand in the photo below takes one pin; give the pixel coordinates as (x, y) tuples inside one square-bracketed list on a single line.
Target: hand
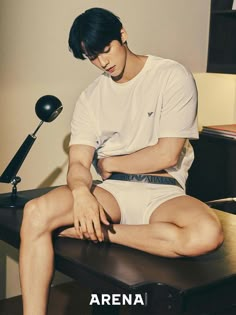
[(70, 232), (88, 216), (102, 168)]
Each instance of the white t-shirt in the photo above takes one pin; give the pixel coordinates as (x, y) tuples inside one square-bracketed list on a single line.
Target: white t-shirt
[(121, 118)]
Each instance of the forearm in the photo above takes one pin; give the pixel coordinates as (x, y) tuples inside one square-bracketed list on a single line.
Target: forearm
[(87, 212), (151, 159), (79, 177), (140, 162)]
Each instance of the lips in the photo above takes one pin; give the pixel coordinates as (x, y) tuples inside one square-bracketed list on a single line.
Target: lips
[(111, 69)]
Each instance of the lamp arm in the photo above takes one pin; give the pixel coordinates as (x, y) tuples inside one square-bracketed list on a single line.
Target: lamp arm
[(16, 162)]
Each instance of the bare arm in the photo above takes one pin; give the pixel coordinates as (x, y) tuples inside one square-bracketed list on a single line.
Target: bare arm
[(88, 213), (154, 158), (80, 160)]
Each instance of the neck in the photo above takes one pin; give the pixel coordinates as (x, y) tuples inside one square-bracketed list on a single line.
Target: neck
[(133, 65)]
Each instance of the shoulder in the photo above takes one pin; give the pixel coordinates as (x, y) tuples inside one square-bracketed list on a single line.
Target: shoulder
[(168, 67), (90, 96), (94, 87)]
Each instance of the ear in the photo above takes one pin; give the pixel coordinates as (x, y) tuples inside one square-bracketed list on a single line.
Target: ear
[(124, 35)]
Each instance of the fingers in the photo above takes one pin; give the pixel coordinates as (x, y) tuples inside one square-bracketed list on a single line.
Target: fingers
[(83, 229), (69, 232), (88, 220), (103, 217), (98, 231), (94, 231), (89, 229), (77, 227), (95, 227)]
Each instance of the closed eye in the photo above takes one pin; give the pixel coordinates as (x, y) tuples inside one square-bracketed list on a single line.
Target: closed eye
[(106, 50), (91, 58)]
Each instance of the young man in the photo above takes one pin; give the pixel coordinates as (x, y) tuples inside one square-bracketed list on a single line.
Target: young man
[(133, 122)]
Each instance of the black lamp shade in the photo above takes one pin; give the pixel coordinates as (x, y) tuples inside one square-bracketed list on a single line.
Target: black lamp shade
[(48, 107)]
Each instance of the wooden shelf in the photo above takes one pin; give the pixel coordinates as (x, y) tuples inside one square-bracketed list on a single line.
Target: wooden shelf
[(228, 12), (222, 43)]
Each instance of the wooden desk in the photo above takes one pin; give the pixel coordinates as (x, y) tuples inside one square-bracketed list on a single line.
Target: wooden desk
[(202, 285)]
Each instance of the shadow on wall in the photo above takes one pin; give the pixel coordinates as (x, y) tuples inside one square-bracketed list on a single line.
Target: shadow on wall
[(55, 174), (52, 177)]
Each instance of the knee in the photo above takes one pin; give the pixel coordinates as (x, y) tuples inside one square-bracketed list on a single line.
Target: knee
[(212, 237), (203, 238), (34, 221)]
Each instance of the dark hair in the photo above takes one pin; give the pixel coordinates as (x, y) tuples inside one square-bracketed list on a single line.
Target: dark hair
[(92, 31)]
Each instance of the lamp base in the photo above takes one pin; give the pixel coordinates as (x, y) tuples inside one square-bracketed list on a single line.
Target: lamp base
[(12, 201)]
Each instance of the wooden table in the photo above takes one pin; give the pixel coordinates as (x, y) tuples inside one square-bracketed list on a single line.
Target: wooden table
[(202, 285)]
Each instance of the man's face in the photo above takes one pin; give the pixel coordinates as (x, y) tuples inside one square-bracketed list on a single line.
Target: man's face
[(112, 59)]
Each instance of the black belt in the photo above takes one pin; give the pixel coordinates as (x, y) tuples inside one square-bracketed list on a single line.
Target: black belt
[(145, 179)]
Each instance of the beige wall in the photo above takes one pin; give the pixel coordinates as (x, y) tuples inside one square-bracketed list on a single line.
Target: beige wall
[(35, 61)]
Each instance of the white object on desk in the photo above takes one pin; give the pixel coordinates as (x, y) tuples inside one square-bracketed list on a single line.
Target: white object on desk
[(234, 5)]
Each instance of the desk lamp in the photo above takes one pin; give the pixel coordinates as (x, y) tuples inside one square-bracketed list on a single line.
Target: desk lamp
[(47, 108)]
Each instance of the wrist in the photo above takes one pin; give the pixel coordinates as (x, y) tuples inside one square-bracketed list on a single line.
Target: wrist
[(109, 164), (80, 190)]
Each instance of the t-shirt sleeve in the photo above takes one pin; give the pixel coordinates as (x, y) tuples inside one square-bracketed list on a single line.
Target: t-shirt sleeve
[(179, 108), (83, 127)]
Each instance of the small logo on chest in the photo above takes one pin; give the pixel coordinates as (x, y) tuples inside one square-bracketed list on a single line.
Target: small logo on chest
[(150, 114)]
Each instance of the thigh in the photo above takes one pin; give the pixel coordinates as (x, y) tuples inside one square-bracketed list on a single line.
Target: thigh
[(182, 211), (57, 206), (132, 199), (109, 203)]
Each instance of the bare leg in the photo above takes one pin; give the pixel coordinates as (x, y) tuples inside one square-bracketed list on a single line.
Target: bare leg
[(42, 216), (182, 226), (36, 251)]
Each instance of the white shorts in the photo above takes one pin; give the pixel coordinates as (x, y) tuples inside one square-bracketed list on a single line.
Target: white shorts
[(138, 200)]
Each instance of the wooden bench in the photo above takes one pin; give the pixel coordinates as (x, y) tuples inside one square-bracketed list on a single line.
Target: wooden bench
[(202, 285)]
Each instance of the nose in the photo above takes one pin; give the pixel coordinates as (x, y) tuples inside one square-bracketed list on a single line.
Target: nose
[(103, 60)]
